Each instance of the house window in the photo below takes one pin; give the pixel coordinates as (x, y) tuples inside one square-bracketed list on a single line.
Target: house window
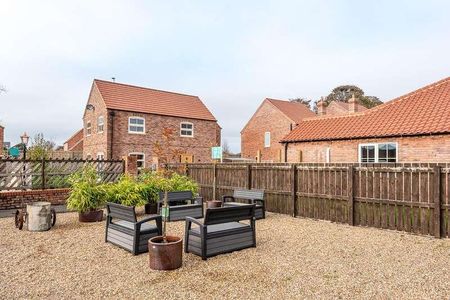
[(140, 159), (186, 129), (136, 125), (378, 153), (327, 155), (88, 128), (267, 139), (100, 156), (100, 124)]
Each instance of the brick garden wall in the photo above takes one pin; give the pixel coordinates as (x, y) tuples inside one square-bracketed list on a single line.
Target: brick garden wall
[(13, 199)]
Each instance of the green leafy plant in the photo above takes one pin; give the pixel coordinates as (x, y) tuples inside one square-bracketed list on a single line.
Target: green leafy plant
[(155, 182), (127, 191), (86, 193)]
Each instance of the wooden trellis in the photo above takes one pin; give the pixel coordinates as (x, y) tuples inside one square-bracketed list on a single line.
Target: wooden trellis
[(47, 174)]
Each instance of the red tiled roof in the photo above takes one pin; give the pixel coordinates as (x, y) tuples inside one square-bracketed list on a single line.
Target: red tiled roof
[(145, 100), (74, 140), (293, 110), (424, 111)]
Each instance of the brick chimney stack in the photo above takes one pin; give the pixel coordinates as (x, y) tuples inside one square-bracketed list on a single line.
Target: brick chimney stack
[(321, 108), (353, 104)]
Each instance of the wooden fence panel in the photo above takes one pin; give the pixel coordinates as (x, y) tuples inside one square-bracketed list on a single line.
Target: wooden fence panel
[(392, 196)]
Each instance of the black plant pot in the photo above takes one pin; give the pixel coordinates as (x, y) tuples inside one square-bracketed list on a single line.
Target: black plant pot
[(151, 208)]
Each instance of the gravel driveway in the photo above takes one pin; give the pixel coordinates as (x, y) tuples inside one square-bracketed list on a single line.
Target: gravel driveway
[(294, 258)]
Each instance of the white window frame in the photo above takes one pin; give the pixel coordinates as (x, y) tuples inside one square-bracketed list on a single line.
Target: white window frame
[(184, 129), (136, 125), (143, 158), (100, 122), (375, 145), (267, 145), (88, 128), (327, 155), (102, 155)]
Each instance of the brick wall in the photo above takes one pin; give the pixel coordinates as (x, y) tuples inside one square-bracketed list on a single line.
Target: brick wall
[(206, 135), (96, 142), (13, 199), (270, 119), (410, 149)]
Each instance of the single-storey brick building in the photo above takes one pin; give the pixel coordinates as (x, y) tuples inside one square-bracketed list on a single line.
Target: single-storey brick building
[(75, 142), (269, 124), (121, 120), (412, 128)]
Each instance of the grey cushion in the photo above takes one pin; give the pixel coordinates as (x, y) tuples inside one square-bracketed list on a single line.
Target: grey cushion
[(130, 225), (222, 227)]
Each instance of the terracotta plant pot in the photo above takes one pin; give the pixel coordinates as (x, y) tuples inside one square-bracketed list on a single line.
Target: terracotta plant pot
[(214, 203), (165, 256), (151, 208), (90, 216)]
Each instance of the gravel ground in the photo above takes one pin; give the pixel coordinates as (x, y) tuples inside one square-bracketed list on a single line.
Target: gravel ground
[(294, 258)]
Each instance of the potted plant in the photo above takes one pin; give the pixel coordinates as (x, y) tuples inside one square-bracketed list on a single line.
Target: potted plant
[(86, 195), (150, 187), (166, 251)]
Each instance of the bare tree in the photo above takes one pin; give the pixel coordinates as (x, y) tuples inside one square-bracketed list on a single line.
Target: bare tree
[(226, 148)]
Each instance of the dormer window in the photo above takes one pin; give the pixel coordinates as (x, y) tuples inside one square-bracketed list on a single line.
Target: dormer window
[(136, 125), (100, 124), (186, 129)]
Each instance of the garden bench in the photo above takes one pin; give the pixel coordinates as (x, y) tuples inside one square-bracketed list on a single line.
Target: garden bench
[(250, 197), (221, 231), (181, 205), (123, 229)]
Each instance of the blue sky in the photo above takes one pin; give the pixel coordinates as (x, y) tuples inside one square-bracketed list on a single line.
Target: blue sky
[(232, 54)]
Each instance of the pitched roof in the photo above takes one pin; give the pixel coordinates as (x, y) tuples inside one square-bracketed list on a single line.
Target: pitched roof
[(145, 100), (424, 111), (75, 140), (293, 110)]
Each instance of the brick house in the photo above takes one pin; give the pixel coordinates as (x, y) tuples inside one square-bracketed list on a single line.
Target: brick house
[(269, 124), (122, 119), (75, 142), (411, 128)]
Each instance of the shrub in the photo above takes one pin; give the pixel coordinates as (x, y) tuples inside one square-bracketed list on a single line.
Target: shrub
[(127, 191), (155, 182), (86, 193)]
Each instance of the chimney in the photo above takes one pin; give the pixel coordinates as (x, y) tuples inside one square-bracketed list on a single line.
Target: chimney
[(321, 108), (353, 104)]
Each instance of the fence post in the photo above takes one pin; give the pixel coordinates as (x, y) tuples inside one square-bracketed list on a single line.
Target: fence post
[(43, 174), (294, 189), (351, 206), (249, 176), (186, 170), (437, 201), (214, 181)]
